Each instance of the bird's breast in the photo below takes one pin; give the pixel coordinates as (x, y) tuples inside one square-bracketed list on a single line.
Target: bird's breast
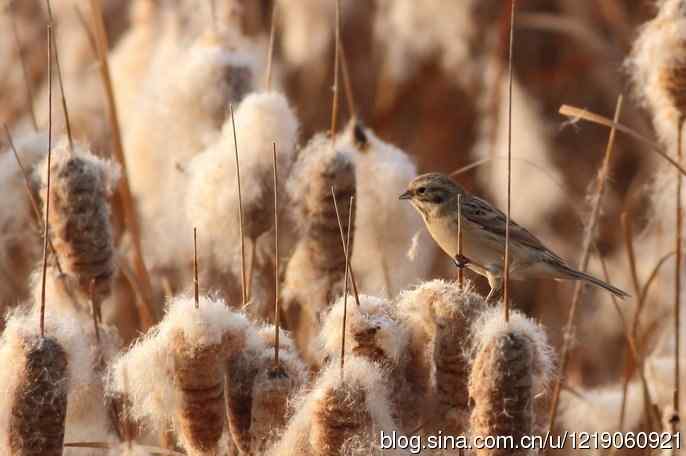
[(477, 244)]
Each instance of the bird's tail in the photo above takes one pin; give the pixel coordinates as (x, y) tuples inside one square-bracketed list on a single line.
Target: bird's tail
[(578, 275)]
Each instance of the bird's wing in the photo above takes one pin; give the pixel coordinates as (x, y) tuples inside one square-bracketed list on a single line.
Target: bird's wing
[(491, 219)]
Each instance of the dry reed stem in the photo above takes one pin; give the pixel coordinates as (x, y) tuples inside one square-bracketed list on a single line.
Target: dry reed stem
[(636, 358), (506, 297), (344, 244), (460, 271), (583, 265), (680, 101), (63, 97), (46, 225), (345, 281), (24, 69), (240, 212), (39, 408), (270, 54), (198, 376), (653, 275), (578, 113), (89, 33), (277, 307), (145, 309), (501, 386), (196, 283)]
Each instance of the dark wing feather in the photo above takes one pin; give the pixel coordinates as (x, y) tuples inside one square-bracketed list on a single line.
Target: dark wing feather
[(491, 219)]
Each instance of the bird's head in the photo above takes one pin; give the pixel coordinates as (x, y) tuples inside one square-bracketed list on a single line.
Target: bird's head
[(429, 192)]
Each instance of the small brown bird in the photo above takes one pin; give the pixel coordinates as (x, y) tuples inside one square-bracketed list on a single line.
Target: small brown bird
[(435, 196)]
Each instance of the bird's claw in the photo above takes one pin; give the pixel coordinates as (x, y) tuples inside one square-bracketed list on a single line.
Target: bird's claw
[(461, 261)]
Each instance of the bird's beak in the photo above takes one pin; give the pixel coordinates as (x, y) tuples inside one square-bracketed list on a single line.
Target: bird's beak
[(406, 196)]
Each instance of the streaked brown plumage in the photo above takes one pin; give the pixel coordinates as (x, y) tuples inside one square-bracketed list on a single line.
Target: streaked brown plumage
[(435, 197)]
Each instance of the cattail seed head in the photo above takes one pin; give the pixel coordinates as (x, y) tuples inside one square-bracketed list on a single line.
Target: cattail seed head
[(176, 372), (657, 66), (82, 185), (511, 368), (37, 417)]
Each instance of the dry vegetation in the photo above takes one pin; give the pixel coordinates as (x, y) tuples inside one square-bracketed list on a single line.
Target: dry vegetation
[(179, 114)]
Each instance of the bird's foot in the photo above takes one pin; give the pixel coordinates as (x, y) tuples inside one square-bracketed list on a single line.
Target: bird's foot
[(461, 261)]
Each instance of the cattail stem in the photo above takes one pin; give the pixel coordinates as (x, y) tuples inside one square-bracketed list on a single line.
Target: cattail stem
[(348, 265), (196, 283), (506, 297), (65, 111), (270, 55), (25, 71), (130, 218), (677, 280), (460, 271), (347, 80), (240, 209), (277, 308), (583, 265), (345, 287), (46, 224)]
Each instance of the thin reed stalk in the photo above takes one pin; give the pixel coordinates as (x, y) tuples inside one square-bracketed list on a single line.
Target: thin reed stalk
[(130, 218), (674, 421), (240, 210), (63, 97), (345, 287), (46, 224), (506, 297), (277, 307), (344, 245), (196, 282), (270, 54), (583, 265)]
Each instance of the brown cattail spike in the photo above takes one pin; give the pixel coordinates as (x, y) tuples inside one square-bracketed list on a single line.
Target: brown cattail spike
[(501, 388), (39, 408), (79, 211), (198, 372)]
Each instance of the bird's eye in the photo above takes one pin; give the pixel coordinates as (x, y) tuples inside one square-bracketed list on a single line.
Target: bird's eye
[(421, 190)]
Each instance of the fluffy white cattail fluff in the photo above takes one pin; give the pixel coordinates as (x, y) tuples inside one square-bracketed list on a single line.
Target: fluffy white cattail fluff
[(19, 239), (212, 203), (517, 350), (86, 416), (534, 173), (383, 227), (314, 275), (340, 415), (372, 331), (440, 315), (657, 66), (157, 373), (438, 30), (178, 117)]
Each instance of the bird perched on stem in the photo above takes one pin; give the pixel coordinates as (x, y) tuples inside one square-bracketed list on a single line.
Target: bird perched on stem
[(435, 196)]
